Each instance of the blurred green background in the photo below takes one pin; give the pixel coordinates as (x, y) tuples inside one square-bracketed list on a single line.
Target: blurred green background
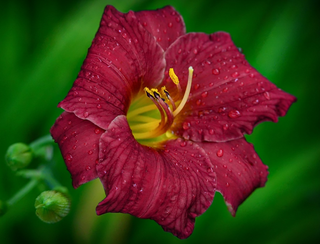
[(43, 44)]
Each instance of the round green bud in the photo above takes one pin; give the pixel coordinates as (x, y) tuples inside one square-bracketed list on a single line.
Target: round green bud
[(52, 206), (18, 156), (3, 208)]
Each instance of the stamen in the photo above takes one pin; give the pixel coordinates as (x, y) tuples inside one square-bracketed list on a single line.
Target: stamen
[(169, 98), (186, 93), (175, 80), (146, 127)]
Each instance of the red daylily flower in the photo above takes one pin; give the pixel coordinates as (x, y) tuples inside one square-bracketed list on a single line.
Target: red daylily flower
[(158, 115)]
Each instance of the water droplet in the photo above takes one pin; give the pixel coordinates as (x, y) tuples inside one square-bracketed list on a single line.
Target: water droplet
[(209, 170), (267, 95), (256, 101), (233, 114), (99, 106), (170, 24), (69, 158), (204, 94), (183, 144), (225, 89), (185, 125), (211, 131), (90, 152), (220, 153), (215, 71), (222, 109), (196, 86), (74, 147), (225, 127), (88, 168), (235, 74), (227, 184), (86, 114), (97, 130)]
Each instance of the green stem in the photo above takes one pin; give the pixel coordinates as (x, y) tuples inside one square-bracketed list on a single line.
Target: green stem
[(42, 141), (50, 180), (42, 147), (24, 191)]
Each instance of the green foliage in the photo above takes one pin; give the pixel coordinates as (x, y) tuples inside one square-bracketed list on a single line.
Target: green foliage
[(43, 44)]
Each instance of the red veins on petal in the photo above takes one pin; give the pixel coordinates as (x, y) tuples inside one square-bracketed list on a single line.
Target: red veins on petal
[(171, 186), (165, 24), (238, 168), (79, 145), (123, 57), (228, 97)]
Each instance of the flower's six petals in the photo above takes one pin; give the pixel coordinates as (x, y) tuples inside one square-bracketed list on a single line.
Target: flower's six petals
[(172, 185), (238, 168), (123, 58), (165, 24), (228, 97), (78, 141)]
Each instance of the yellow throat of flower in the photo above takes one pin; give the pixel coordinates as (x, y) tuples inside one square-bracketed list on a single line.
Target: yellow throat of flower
[(151, 115)]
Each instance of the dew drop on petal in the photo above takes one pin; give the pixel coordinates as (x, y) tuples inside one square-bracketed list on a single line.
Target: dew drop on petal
[(185, 125), (215, 71), (220, 153), (267, 95), (97, 130), (69, 157), (235, 74), (233, 114), (204, 94), (90, 152)]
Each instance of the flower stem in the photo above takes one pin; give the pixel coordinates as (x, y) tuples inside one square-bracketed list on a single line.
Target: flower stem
[(42, 148), (42, 141), (24, 191)]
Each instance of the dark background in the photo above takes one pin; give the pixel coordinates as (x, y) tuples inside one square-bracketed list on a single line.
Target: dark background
[(42, 46)]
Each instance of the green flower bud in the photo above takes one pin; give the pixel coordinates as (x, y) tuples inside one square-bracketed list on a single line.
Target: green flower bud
[(3, 208), (52, 206), (18, 156)]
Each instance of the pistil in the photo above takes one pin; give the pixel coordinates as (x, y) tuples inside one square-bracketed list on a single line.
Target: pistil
[(150, 127)]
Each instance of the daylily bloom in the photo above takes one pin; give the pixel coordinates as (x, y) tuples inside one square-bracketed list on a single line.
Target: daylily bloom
[(159, 116)]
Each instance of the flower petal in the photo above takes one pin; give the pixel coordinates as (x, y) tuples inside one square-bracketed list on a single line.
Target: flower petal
[(239, 170), (171, 186), (123, 57), (79, 145), (165, 24), (228, 97)]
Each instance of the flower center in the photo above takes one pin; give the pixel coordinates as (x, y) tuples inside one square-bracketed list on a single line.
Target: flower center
[(151, 115)]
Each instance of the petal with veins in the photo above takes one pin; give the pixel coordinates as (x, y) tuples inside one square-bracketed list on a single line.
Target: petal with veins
[(238, 168), (165, 24), (172, 185), (228, 97), (123, 57), (79, 145)]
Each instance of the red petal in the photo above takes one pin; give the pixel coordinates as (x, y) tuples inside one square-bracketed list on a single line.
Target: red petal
[(165, 24), (171, 186), (123, 58), (239, 170), (228, 97), (79, 144)]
